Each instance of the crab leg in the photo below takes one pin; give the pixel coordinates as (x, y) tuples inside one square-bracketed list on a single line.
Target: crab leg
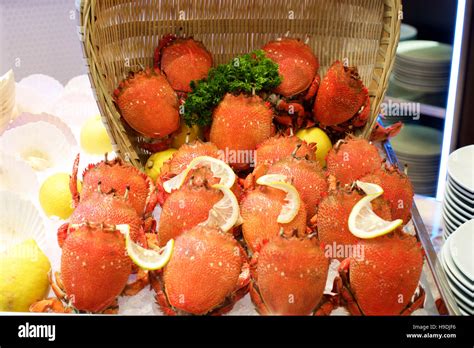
[(313, 88), (73, 182)]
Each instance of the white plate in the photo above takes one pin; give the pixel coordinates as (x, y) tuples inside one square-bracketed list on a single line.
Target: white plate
[(421, 51), (454, 222), (461, 249), (454, 273), (407, 32), (457, 209), (449, 225), (458, 202), (455, 216), (460, 191), (461, 167)]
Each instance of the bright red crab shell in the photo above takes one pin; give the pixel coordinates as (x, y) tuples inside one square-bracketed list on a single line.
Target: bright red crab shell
[(398, 190), (239, 124), (288, 276), (279, 147), (118, 177), (351, 159), (342, 98), (260, 209), (182, 60), (384, 280), (297, 65), (207, 273), (94, 266), (148, 104)]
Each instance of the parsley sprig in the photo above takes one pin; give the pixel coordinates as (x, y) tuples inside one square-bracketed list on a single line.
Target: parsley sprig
[(251, 73)]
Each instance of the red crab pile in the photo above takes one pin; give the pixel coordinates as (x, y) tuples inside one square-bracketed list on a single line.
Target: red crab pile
[(282, 260), (94, 266)]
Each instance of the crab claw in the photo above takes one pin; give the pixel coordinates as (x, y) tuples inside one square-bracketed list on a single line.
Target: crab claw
[(50, 305), (380, 133), (73, 182)]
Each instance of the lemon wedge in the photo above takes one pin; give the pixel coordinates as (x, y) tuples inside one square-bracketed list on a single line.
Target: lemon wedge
[(146, 258), (225, 214), (218, 168), (363, 222), (292, 199)]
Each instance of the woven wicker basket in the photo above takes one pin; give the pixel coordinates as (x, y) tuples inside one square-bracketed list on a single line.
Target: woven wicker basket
[(120, 35)]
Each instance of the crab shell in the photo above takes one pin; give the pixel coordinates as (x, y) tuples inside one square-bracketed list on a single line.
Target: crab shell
[(288, 276), (342, 97), (239, 124), (279, 147), (117, 176), (333, 214), (206, 274), (297, 65), (109, 209), (308, 178), (186, 208), (185, 154), (148, 103), (351, 159), (182, 158), (260, 209), (385, 280), (398, 190), (184, 60), (94, 267)]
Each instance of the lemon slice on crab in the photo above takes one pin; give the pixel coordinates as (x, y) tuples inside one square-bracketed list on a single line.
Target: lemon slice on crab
[(292, 199), (147, 259), (225, 214), (219, 169), (363, 222)]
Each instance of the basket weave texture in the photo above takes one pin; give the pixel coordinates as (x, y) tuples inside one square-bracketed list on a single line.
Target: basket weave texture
[(120, 36)]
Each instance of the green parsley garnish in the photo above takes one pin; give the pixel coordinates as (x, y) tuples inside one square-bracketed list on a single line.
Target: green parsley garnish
[(251, 73)]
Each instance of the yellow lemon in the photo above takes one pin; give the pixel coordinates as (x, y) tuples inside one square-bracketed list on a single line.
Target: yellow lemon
[(55, 197), (24, 277), (318, 136), (94, 137), (155, 163), (180, 137)]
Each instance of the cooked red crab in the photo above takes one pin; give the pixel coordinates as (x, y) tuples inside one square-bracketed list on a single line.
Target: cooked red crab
[(279, 147), (148, 104), (116, 176), (298, 67), (182, 60), (260, 208), (351, 159), (386, 279), (342, 102), (288, 277), (207, 273), (239, 124), (94, 270)]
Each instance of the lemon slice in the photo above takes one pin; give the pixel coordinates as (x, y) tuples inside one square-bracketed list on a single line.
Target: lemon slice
[(369, 188), (291, 207), (219, 168), (145, 258), (363, 222), (225, 214)]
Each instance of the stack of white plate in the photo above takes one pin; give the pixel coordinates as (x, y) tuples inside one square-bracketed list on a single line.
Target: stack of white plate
[(458, 204), (458, 264), (422, 66), (419, 148)]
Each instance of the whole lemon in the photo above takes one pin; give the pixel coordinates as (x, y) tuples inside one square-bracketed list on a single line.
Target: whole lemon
[(180, 137), (155, 163), (94, 137), (55, 197), (24, 277), (318, 136)]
